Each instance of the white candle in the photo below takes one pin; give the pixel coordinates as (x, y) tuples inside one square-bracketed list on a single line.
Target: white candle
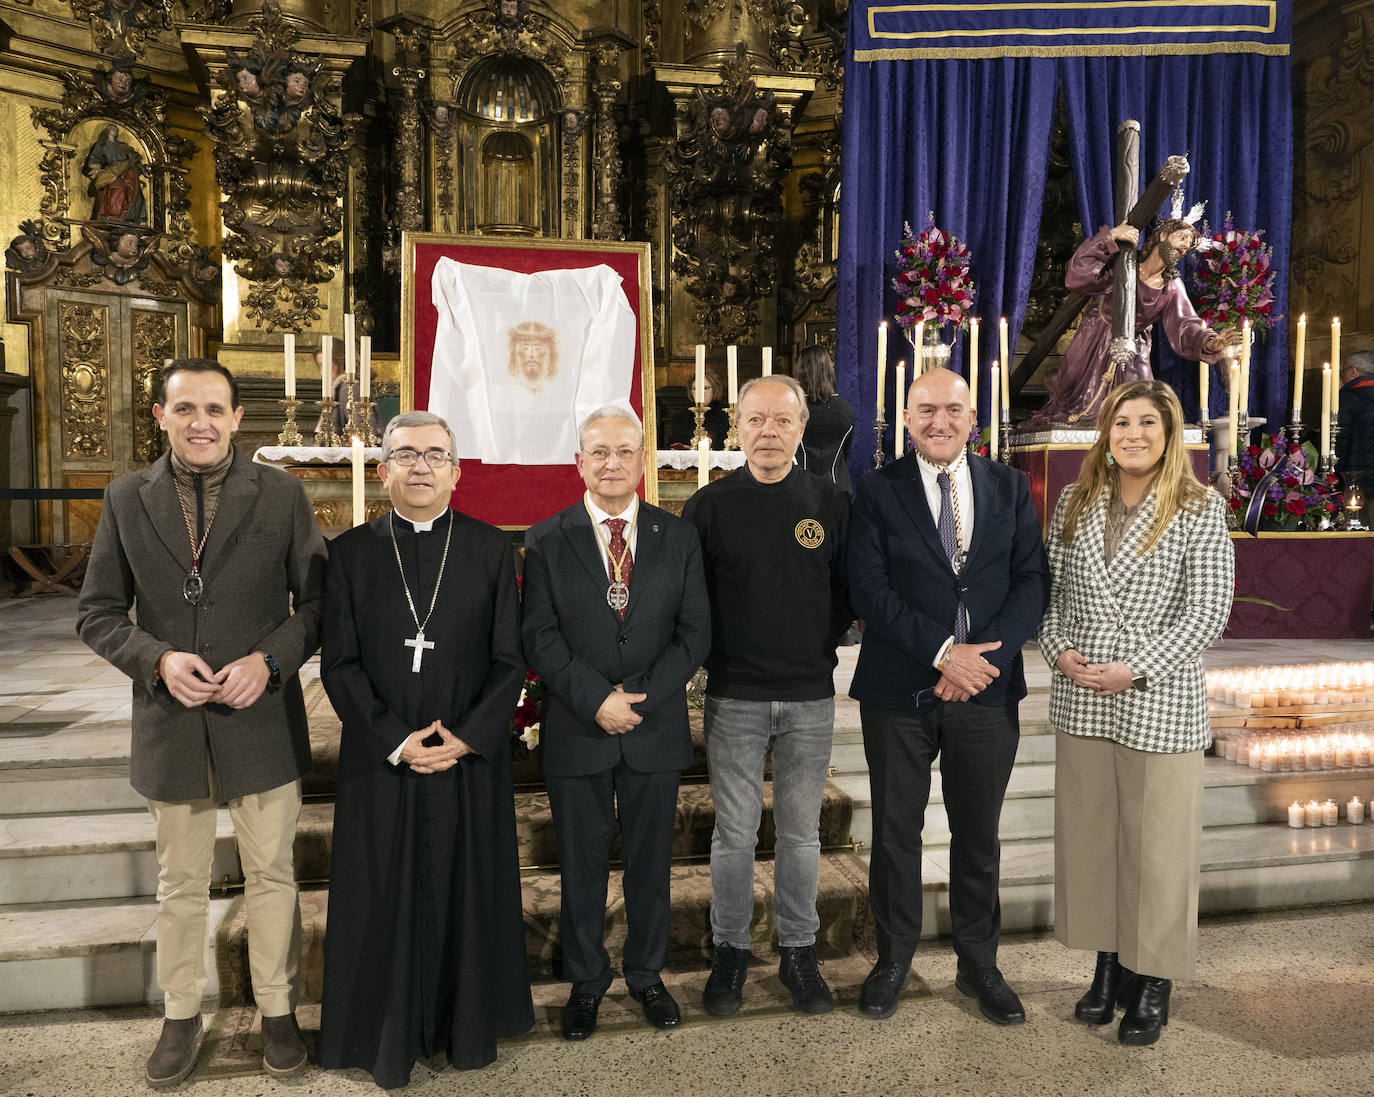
[(1300, 358), (703, 462), (899, 434), (918, 340), (732, 373), (768, 361), (882, 367), (1354, 810), (994, 425), (701, 373), (366, 366), (1232, 414), (348, 345), (288, 348), (1006, 364), (1297, 817), (1313, 813), (973, 388), (326, 367), (1326, 408), (1336, 365), (359, 471), (1245, 338), (1204, 382), (973, 357), (1330, 814)]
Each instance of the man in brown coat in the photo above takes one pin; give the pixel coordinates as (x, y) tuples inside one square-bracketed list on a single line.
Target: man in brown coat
[(224, 564)]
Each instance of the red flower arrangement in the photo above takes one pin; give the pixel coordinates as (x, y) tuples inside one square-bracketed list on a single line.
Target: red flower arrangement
[(1233, 280), (1299, 497), (932, 281), (529, 710)]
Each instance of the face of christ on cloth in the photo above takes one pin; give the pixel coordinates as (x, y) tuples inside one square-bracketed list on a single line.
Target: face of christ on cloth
[(420, 493), (533, 354)]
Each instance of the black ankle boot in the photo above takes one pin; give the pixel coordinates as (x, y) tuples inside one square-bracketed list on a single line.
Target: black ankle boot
[(1147, 1011), (1111, 984)]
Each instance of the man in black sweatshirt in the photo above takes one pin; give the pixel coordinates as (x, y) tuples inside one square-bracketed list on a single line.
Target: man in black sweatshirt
[(773, 540)]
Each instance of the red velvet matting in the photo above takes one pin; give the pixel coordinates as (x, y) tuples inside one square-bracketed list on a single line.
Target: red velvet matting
[(515, 495), (1321, 579)]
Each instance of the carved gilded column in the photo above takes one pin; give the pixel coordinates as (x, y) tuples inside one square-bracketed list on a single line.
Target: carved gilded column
[(608, 216), (411, 36)]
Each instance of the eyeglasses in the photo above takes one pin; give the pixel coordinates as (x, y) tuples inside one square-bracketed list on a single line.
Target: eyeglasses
[(434, 458), (603, 456)]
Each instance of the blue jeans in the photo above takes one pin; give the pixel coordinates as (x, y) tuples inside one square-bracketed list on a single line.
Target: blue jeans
[(738, 736)]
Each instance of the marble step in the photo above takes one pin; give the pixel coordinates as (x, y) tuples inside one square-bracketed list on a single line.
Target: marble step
[(38, 790), (92, 953)]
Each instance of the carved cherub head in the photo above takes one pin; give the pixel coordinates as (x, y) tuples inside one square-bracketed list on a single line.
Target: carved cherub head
[(26, 252), (297, 87), (247, 81)]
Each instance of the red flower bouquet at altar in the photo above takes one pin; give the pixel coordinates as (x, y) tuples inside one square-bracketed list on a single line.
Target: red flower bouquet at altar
[(932, 280), (524, 723), (1298, 497), (1233, 280)]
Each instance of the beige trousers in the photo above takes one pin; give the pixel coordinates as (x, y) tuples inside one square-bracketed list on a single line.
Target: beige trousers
[(265, 827), (1127, 853)]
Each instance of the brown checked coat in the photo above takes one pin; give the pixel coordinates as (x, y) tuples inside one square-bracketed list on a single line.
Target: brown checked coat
[(263, 569), (1157, 612)]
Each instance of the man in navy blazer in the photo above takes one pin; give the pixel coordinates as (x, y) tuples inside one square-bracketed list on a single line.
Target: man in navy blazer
[(616, 622), (949, 575)]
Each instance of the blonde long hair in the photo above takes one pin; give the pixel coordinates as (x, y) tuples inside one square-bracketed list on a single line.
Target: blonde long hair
[(1175, 485)]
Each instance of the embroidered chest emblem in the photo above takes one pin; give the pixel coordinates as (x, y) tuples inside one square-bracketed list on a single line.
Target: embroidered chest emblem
[(810, 534)]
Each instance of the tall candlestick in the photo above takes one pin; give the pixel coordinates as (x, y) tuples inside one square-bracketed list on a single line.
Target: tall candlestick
[(918, 364), (732, 373), (1300, 358), (973, 356), (1204, 382), (882, 367), (994, 411), (1335, 365), (348, 345), (366, 366), (768, 361), (359, 508), (326, 367), (1232, 413), (703, 462), (973, 389), (701, 373), (898, 425), (1005, 391), (1245, 337), (288, 349), (1326, 409)]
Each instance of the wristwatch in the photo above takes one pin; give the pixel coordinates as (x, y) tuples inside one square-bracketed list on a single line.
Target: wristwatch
[(273, 671), (1139, 682)]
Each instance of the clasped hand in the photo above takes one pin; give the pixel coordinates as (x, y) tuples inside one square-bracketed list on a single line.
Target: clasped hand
[(444, 755), (616, 716), (966, 672), (190, 680), (1103, 679)]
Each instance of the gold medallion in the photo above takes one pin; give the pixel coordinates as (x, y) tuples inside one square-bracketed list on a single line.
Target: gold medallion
[(809, 533)]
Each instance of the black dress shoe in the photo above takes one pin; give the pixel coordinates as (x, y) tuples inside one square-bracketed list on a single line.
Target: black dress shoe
[(579, 1016), (659, 1008), (725, 988), (801, 975), (996, 1001), (1147, 1011), (1110, 988), (878, 998)]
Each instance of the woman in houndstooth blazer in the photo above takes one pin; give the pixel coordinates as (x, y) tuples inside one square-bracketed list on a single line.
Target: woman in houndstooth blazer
[(1141, 571)]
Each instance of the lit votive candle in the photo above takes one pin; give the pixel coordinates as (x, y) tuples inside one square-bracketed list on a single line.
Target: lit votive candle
[(1354, 810), (1313, 812), (1330, 814), (1312, 751), (1364, 752), (1297, 817), (1299, 757), (1269, 760), (1328, 752)]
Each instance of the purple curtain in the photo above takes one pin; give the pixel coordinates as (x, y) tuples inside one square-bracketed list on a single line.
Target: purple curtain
[(967, 140), (1231, 115)]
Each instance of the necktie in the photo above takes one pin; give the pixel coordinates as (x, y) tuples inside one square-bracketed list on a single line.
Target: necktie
[(620, 564), (949, 541)]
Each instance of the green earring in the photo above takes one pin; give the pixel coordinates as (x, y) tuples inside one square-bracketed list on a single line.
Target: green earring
[(1110, 459)]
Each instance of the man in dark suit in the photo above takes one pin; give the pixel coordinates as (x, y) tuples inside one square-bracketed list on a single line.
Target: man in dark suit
[(616, 622), (948, 573), (224, 564)]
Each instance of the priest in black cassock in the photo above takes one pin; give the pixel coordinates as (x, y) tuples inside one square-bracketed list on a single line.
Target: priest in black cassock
[(425, 949)]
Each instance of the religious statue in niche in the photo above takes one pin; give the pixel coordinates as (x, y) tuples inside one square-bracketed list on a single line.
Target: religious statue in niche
[(114, 169), (280, 165), (122, 255), (727, 165), (27, 253)]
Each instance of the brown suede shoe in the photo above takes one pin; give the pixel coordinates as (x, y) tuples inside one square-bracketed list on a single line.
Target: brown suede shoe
[(175, 1055), (283, 1050)]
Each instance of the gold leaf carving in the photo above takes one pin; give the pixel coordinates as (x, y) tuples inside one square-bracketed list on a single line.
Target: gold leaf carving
[(82, 361)]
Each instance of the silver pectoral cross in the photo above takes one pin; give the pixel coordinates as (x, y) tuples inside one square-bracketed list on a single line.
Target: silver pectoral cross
[(419, 644)]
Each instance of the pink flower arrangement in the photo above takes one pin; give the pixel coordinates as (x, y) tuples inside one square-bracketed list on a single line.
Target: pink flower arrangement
[(932, 281), (1298, 497), (1234, 279)]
